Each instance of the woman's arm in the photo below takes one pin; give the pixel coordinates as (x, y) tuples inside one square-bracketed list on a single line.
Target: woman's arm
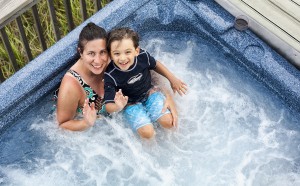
[(69, 98)]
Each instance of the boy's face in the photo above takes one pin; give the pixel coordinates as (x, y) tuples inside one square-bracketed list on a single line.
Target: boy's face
[(123, 53)]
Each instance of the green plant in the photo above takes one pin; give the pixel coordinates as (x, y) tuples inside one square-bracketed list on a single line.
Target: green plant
[(32, 37)]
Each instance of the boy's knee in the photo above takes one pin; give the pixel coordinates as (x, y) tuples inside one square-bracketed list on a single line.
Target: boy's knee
[(146, 131), (166, 121)]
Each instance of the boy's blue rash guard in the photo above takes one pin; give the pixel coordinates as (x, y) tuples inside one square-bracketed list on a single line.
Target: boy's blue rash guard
[(134, 82)]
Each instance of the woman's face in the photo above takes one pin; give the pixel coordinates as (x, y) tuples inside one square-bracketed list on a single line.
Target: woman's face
[(95, 56)]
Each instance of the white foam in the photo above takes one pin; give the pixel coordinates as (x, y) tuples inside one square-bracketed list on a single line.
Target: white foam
[(227, 136)]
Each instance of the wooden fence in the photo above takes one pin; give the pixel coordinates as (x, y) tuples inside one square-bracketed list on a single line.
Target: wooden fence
[(12, 10)]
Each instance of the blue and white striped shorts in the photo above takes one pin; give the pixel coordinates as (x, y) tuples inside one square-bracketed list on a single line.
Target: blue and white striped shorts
[(147, 112)]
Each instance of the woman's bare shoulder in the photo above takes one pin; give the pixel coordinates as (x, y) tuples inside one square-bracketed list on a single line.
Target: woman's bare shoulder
[(70, 84)]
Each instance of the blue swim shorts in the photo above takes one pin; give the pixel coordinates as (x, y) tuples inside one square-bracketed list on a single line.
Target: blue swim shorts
[(147, 112)]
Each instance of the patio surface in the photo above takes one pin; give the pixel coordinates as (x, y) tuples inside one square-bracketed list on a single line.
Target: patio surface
[(276, 21)]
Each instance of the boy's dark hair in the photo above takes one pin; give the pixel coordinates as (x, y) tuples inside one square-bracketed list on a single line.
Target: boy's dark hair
[(90, 32), (122, 33)]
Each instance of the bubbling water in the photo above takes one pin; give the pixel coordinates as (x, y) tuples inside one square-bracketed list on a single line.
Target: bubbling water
[(232, 131)]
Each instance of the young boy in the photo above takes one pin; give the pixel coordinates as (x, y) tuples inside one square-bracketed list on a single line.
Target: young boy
[(129, 73)]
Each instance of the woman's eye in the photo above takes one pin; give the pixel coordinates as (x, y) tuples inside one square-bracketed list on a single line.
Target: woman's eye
[(103, 52)]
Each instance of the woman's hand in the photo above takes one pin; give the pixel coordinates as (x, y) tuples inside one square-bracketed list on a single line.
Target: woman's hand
[(170, 104), (120, 100), (89, 113)]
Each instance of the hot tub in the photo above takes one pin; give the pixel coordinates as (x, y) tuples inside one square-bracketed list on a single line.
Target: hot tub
[(238, 124)]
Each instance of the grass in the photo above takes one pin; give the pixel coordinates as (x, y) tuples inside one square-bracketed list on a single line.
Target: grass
[(32, 37)]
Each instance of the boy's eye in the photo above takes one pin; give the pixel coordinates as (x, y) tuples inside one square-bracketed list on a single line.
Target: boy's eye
[(91, 53), (116, 54)]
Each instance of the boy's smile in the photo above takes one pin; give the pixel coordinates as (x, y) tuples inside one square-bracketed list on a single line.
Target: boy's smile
[(123, 53)]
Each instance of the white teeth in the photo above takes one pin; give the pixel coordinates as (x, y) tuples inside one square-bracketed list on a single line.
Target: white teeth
[(97, 66)]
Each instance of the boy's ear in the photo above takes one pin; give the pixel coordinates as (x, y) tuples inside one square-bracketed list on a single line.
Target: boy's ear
[(137, 51)]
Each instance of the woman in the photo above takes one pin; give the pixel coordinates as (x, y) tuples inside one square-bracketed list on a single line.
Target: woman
[(82, 88)]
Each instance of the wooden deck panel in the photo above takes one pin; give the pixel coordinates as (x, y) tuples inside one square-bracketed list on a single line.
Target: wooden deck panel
[(278, 16), (8, 8), (289, 7)]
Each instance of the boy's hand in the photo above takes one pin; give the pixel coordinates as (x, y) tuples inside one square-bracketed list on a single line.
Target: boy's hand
[(170, 104), (179, 86), (120, 100)]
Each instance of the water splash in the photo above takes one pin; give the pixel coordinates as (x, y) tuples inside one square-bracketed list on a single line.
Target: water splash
[(232, 131)]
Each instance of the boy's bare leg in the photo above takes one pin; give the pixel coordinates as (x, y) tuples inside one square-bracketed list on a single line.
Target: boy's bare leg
[(146, 131)]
